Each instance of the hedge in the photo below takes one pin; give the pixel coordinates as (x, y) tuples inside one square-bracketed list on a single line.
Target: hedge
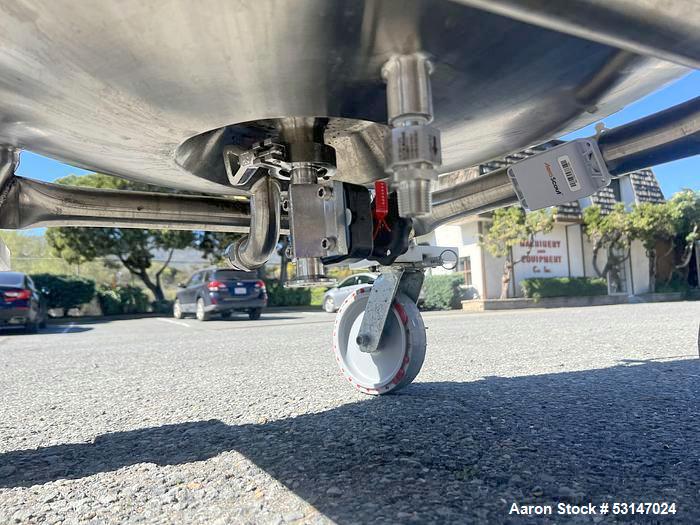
[(563, 287), (122, 300), (676, 284), (441, 292), (65, 291), (278, 295)]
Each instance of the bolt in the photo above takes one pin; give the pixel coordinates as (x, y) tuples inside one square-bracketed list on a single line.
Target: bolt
[(328, 243), (289, 253), (363, 339), (325, 193)]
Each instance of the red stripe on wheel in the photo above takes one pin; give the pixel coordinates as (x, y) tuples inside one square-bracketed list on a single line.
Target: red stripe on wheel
[(402, 313)]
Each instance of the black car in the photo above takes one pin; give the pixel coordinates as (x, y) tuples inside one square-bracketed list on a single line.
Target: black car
[(21, 304), (219, 291)]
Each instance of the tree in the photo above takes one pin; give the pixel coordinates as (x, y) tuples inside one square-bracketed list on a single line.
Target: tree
[(510, 227), (685, 211), (214, 244), (284, 260), (649, 223), (134, 248), (611, 233)]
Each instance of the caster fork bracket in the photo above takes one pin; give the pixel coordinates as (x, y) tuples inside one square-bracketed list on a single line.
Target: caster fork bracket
[(380, 301)]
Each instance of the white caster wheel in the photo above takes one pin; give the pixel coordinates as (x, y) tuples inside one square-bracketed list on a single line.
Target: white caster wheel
[(401, 351)]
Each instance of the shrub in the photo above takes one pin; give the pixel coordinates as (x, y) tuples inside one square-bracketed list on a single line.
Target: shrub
[(109, 301), (162, 307), (441, 292), (278, 295), (65, 291), (317, 294), (122, 300), (676, 284), (563, 287)]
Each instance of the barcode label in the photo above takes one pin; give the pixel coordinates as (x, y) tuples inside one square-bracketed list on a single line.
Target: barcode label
[(568, 170)]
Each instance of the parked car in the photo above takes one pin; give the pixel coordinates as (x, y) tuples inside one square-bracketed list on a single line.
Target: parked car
[(21, 304), (220, 291), (334, 297)]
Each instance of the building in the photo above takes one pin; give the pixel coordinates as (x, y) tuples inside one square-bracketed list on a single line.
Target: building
[(564, 252)]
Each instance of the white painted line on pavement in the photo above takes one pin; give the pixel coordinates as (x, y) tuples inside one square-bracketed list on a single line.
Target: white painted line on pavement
[(172, 321), (68, 328)]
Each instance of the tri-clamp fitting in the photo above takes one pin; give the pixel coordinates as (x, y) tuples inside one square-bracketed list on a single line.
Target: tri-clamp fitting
[(413, 146)]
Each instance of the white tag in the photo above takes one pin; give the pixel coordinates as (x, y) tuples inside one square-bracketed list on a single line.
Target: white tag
[(568, 171)]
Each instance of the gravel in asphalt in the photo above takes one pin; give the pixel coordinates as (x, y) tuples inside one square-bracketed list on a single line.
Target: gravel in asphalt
[(175, 421)]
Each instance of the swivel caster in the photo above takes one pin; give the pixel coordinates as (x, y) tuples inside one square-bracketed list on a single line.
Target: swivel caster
[(399, 355)]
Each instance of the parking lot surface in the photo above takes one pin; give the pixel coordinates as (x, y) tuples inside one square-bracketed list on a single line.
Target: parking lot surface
[(174, 421)]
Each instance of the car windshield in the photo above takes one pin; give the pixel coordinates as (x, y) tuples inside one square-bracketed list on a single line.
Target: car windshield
[(234, 275), (11, 279)]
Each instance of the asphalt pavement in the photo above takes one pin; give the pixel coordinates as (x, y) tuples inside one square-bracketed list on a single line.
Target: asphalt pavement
[(174, 421)]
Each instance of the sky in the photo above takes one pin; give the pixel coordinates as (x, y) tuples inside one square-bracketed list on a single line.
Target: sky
[(673, 176)]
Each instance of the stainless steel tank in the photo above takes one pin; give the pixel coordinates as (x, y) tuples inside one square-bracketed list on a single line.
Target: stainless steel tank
[(154, 90)]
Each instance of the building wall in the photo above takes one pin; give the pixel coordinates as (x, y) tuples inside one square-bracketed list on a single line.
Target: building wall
[(493, 276), (639, 265), (575, 249), (4, 257)]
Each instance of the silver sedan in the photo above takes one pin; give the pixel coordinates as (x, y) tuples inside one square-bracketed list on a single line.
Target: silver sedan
[(334, 297)]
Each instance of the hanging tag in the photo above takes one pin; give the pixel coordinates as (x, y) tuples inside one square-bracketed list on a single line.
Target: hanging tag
[(381, 207)]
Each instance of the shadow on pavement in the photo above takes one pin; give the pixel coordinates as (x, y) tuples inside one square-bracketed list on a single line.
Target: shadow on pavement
[(446, 450)]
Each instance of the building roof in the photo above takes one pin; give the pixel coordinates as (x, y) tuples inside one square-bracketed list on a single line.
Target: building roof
[(645, 187)]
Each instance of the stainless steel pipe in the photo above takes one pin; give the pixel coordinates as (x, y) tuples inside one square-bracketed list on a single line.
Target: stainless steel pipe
[(26, 203), (668, 135), (479, 195), (253, 251)]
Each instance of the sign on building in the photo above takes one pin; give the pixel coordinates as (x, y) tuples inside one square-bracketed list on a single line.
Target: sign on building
[(546, 256)]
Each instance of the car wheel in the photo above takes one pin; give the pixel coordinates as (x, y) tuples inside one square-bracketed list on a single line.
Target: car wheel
[(254, 314), (329, 305), (225, 315), (202, 314), (177, 310)]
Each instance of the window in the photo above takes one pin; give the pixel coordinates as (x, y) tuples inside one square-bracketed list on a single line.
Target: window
[(615, 187), (234, 275), (365, 279), (348, 282), (195, 279), (465, 266), (11, 279)]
